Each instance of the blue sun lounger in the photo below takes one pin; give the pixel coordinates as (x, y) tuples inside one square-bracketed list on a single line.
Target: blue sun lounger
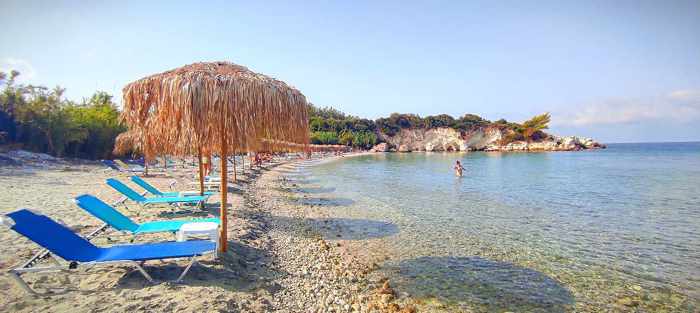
[(60, 241), (120, 222), (154, 191), (112, 165), (143, 201)]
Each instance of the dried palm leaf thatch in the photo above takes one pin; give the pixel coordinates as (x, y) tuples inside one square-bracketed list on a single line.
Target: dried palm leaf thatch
[(181, 110), (272, 145), (132, 141), (328, 148)]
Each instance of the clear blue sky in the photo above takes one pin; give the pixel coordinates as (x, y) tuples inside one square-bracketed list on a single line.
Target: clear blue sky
[(613, 70)]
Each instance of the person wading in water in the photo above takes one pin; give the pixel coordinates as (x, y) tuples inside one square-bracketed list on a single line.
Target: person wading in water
[(459, 169)]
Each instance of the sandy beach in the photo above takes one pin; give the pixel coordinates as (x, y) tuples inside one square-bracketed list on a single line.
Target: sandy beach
[(285, 255)]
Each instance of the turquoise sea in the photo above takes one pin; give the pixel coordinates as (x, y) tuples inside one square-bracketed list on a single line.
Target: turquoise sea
[(613, 229)]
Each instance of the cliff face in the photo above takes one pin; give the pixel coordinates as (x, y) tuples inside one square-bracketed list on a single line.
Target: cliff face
[(486, 138)]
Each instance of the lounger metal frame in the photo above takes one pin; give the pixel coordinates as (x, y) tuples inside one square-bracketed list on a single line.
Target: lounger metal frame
[(29, 267), (43, 254)]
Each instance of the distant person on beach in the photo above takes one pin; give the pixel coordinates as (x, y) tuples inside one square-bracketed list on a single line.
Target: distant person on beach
[(459, 169), (206, 164)]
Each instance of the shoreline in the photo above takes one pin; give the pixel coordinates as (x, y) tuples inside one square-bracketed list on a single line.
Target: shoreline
[(293, 248)]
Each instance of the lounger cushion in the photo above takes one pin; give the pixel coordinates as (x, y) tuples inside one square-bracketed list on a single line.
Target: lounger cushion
[(155, 251), (114, 218), (173, 226), (68, 245), (135, 196), (154, 191), (53, 236), (106, 213), (188, 199)]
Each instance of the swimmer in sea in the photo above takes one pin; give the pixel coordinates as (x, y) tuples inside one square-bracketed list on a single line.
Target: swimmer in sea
[(459, 168)]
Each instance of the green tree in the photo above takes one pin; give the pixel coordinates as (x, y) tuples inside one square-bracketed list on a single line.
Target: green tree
[(42, 120), (324, 138), (99, 116), (470, 122), (532, 128), (435, 121), (346, 138), (364, 139)]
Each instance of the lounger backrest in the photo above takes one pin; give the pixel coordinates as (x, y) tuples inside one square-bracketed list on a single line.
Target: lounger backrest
[(125, 190), (127, 166), (110, 164), (53, 236), (145, 185), (106, 213)]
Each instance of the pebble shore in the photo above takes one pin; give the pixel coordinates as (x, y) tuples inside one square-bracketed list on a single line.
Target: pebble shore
[(278, 260)]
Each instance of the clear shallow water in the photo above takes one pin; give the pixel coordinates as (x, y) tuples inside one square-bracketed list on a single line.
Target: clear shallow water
[(606, 229)]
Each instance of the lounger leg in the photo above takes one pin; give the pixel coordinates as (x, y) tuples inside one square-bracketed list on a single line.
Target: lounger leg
[(55, 260), (143, 272), (192, 262), (18, 279)]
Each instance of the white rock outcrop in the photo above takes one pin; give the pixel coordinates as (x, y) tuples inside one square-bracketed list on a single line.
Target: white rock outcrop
[(487, 139), (382, 147)]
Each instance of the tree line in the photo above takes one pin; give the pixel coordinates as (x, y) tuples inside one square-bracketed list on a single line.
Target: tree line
[(41, 119), (331, 126)]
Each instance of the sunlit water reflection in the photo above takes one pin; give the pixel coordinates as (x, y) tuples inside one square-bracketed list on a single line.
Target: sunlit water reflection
[(606, 229)]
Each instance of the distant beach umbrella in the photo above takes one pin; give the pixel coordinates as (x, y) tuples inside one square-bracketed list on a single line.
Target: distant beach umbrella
[(213, 107), (131, 141)]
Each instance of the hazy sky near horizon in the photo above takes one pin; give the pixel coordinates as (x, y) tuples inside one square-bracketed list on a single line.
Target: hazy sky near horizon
[(618, 71)]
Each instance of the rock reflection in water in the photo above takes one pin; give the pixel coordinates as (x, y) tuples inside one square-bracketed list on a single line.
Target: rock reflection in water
[(327, 201), (345, 228), (481, 284)]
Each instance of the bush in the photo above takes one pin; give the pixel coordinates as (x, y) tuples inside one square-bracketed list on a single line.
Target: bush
[(42, 120), (324, 138)]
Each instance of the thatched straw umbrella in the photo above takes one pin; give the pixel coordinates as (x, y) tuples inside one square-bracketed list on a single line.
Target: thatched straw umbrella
[(133, 141), (217, 107)]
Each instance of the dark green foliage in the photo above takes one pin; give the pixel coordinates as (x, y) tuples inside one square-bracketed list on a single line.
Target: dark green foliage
[(330, 126), (532, 128), (436, 121), (396, 121), (326, 113), (364, 139), (42, 120), (324, 137), (470, 122), (100, 117)]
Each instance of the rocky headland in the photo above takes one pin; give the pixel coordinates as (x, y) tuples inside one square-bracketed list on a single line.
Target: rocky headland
[(488, 138)]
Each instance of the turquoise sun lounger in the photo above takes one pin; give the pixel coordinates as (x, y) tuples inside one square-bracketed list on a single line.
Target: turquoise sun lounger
[(120, 222), (62, 242), (143, 201), (154, 191)]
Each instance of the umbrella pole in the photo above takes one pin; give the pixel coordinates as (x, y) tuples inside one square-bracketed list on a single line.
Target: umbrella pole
[(224, 193), (234, 168), (201, 173)]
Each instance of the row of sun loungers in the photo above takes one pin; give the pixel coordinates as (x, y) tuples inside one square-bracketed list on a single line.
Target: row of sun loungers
[(69, 250)]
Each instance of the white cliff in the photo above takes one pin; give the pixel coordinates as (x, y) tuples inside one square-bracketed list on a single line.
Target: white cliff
[(485, 138)]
